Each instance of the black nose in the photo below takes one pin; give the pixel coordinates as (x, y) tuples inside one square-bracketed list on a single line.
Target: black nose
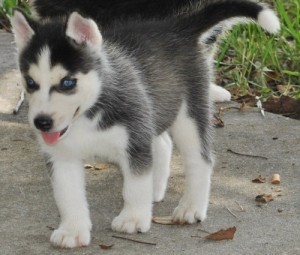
[(43, 122)]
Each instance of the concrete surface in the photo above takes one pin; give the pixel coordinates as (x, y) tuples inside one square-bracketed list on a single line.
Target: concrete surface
[(28, 212)]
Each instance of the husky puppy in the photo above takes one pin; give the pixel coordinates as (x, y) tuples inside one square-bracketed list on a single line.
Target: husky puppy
[(115, 92), (105, 12)]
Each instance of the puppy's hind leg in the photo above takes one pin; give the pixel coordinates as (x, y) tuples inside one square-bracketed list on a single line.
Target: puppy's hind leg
[(162, 153), (193, 143), (219, 94)]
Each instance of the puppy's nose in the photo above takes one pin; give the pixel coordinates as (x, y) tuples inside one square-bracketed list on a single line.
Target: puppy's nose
[(43, 122)]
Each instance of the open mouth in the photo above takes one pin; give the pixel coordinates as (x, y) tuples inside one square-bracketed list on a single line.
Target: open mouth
[(53, 137)]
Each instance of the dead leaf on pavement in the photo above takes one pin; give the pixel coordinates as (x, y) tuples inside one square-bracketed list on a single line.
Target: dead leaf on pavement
[(97, 166), (222, 234), (247, 100), (50, 227), (259, 179), (282, 105), (163, 220), (101, 166), (243, 106), (264, 198), (105, 246), (217, 121)]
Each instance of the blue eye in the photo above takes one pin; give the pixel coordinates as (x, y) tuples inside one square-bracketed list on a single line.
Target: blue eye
[(30, 83), (67, 84)]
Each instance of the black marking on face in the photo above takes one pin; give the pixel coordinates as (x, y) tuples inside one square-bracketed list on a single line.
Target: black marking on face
[(76, 112), (63, 51)]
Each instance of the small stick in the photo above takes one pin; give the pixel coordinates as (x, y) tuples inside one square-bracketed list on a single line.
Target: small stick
[(204, 231), (247, 155), (133, 240), (231, 212), (241, 207), (21, 100)]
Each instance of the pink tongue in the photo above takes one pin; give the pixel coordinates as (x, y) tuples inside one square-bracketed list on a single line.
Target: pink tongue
[(51, 138)]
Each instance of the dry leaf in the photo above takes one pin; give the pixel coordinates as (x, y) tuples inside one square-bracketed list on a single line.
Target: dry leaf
[(50, 227), (164, 220), (97, 166), (218, 122), (222, 234), (282, 105), (264, 198), (247, 100), (105, 246), (101, 166), (271, 75), (243, 106), (259, 179), (285, 89)]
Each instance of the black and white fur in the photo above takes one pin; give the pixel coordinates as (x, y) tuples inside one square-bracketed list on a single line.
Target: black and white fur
[(134, 82), (106, 12)]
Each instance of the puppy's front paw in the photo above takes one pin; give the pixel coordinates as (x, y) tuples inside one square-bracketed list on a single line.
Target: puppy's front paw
[(132, 221), (189, 212), (71, 237)]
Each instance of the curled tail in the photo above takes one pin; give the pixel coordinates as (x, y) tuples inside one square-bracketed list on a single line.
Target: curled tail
[(215, 12)]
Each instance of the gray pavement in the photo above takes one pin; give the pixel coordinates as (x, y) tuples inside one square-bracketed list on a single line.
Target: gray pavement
[(28, 211)]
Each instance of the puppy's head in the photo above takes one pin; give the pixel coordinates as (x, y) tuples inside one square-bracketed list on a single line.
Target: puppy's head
[(58, 62)]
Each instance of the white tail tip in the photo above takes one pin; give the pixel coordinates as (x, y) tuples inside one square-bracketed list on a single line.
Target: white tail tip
[(268, 21)]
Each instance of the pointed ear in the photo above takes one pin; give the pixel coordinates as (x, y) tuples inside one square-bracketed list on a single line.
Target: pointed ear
[(83, 31), (21, 28)]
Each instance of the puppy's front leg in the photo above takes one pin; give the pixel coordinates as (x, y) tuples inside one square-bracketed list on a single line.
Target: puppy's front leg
[(69, 192), (137, 211)]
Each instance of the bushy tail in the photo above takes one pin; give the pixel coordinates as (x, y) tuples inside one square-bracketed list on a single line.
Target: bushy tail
[(217, 11)]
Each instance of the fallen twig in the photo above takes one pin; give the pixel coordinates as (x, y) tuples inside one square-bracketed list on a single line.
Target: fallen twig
[(231, 212), (21, 100), (241, 207), (204, 231), (133, 240), (247, 155)]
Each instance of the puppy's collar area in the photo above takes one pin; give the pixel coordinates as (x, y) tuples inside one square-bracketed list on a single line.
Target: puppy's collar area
[(52, 138)]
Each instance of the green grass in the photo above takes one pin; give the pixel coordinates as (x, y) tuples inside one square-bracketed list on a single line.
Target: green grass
[(250, 61)]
